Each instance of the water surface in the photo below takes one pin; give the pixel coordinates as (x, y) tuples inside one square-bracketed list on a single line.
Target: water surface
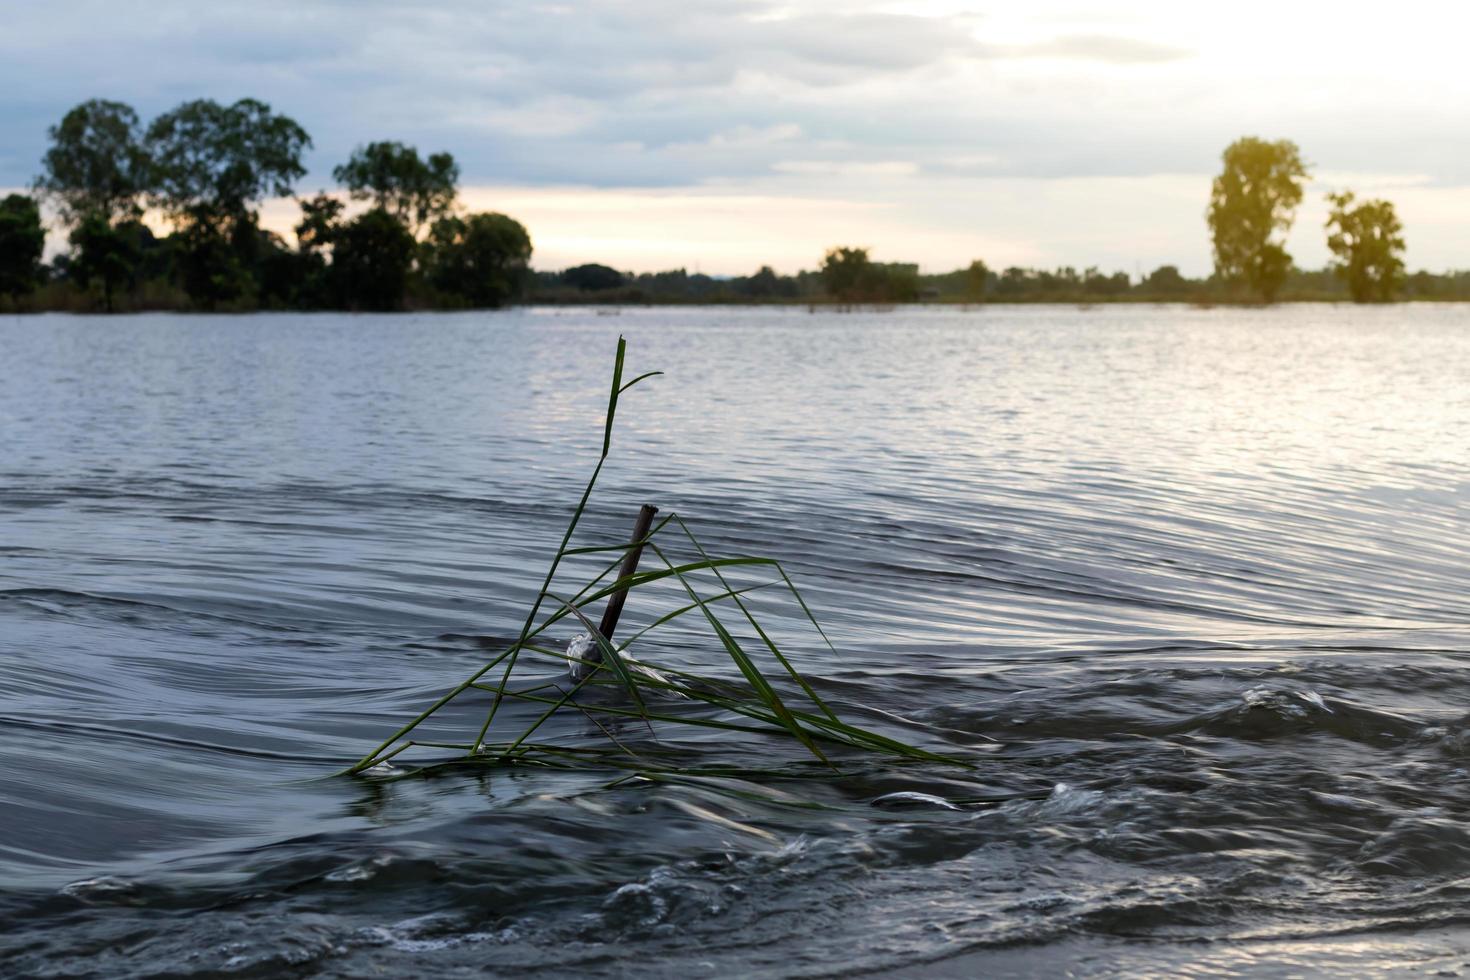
[(1187, 587)]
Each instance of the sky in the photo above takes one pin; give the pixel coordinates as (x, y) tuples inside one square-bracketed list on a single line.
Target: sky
[(720, 135)]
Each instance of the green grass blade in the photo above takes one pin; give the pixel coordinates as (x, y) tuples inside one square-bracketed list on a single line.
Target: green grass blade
[(752, 674), (760, 631), (677, 613), (641, 377), (612, 400)]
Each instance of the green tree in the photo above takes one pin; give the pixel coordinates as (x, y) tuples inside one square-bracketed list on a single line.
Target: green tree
[(22, 239), (764, 283), (396, 180), (847, 273), (321, 216), (977, 281), (223, 159), (1254, 198), (482, 259), (371, 260), (215, 260), (1096, 283), (849, 277), (286, 278), (1166, 280), (592, 277), (105, 253), (1368, 241), (97, 163), (212, 164), (895, 282), (321, 219)]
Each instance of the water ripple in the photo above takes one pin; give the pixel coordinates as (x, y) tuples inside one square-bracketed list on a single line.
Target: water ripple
[(1187, 587)]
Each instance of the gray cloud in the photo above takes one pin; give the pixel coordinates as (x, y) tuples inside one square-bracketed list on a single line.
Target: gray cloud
[(652, 92), (508, 88)]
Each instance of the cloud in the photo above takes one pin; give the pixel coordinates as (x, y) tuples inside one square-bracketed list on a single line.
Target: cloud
[(1095, 47), (1369, 182), (898, 101), (847, 168), (563, 91)]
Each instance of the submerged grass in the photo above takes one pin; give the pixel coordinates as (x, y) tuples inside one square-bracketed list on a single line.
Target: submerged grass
[(658, 696)]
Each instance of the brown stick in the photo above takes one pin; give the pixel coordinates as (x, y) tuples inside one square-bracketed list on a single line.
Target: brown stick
[(630, 567)]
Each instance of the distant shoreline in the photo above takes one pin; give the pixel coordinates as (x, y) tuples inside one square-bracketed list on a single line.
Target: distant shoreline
[(785, 304), (959, 304)]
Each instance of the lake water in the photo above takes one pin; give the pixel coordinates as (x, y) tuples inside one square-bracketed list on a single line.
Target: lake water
[(1189, 588)]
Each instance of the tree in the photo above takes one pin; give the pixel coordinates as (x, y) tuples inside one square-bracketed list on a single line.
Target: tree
[(398, 182), (320, 219), (97, 163), (1254, 198), (849, 276), (286, 278), (22, 239), (763, 283), (215, 260), (223, 159), (1367, 239), (211, 164), (482, 259), (104, 253), (592, 277), (371, 259), (846, 271), (1166, 280), (1096, 283), (977, 278), (895, 282)]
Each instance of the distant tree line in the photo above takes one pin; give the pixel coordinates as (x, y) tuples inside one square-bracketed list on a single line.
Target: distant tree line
[(976, 283), (205, 168), (596, 283), (1253, 203)]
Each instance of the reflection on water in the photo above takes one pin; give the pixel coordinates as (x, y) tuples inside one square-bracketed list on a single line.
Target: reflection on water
[(1187, 586)]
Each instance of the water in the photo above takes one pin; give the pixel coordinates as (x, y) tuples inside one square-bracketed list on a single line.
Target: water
[(1188, 587)]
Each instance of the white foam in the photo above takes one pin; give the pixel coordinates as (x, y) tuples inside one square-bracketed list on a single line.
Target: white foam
[(908, 796)]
